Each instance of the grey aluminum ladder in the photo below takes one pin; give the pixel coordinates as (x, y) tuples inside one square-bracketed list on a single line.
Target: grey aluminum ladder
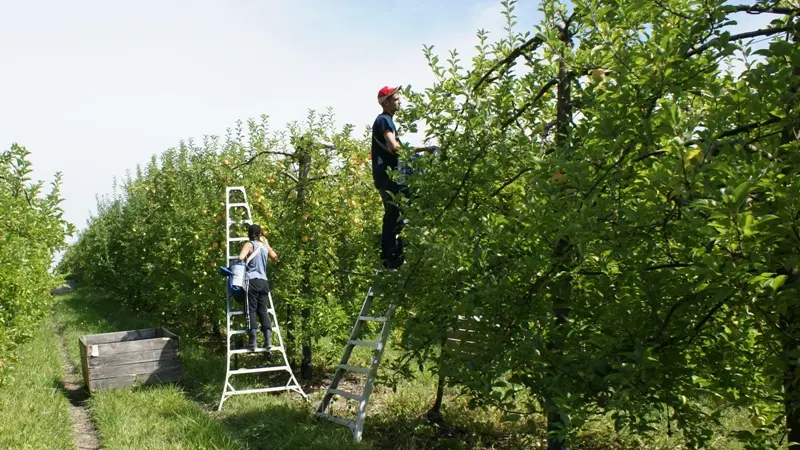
[(357, 425), (229, 390)]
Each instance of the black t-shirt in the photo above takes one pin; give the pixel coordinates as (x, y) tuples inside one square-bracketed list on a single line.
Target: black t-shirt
[(381, 156)]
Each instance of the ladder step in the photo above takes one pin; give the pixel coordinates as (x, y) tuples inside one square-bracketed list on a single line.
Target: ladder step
[(235, 205), (259, 370), (238, 239), (239, 222), (241, 313), (350, 368), (256, 390), (375, 345), (346, 394), (236, 351), (339, 420), (235, 332), (372, 319)]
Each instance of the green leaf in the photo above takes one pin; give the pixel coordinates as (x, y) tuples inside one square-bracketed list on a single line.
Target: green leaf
[(778, 281)]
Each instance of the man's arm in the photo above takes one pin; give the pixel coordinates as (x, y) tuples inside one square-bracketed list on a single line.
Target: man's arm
[(430, 149), (391, 141), (394, 146)]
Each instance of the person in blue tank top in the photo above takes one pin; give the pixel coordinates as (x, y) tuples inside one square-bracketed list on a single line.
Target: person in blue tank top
[(257, 284)]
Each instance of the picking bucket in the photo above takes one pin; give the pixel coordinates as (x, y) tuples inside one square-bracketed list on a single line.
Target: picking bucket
[(238, 274)]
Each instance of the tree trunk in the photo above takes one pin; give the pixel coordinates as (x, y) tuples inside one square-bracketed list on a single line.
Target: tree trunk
[(306, 369), (435, 413), (562, 290)]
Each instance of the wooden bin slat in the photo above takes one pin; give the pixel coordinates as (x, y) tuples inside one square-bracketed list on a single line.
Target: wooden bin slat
[(157, 376), (138, 368), (122, 336), (115, 348), (134, 357)]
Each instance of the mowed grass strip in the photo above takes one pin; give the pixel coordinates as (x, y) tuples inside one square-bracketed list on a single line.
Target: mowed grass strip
[(34, 410), (156, 416), (147, 416)]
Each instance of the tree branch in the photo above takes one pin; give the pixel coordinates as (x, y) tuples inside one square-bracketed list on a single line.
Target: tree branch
[(736, 37), (508, 183), (466, 176), (532, 43), (671, 11), (543, 90), (290, 176), (265, 152), (738, 130), (756, 9), (669, 266)]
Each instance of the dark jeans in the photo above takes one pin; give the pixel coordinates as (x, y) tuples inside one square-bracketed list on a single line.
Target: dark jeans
[(257, 300), (391, 243)]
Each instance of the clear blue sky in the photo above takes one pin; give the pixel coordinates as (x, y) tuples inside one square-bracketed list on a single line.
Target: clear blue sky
[(94, 88)]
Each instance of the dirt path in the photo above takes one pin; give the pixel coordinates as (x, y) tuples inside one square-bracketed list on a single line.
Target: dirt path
[(85, 434)]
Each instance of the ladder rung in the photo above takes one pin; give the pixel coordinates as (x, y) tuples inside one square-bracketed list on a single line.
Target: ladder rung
[(339, 420), (241, 313), (238, 239), (346, 394), (237, 205), (372, 319), (257, 350), (258, 370), (255, 390), (375, 345), (350, 368), (239, 222), (235, 332)]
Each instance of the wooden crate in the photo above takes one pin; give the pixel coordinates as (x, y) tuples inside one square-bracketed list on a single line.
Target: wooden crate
[(113, 360)]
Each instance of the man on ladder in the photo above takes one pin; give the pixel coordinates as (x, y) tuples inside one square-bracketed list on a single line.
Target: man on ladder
[(257, 284), (385, 145)]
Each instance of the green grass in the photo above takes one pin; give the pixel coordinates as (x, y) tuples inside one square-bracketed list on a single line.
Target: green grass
[(184, 415), (34, 411)]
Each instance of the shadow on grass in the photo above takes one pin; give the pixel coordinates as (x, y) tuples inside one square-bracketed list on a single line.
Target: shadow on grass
[(288, 426), (77, 394), (418, 432)]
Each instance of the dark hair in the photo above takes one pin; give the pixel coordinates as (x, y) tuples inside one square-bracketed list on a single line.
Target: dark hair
[(253, 232)]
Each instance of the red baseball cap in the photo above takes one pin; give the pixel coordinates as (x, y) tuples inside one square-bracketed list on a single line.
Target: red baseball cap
[(386, 91)]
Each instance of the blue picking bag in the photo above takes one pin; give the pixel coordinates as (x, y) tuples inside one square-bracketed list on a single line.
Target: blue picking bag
[(236, 291)]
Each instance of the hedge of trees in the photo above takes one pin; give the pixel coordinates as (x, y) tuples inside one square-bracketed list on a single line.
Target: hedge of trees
[(32, 231), (157, 241), (621, 216)]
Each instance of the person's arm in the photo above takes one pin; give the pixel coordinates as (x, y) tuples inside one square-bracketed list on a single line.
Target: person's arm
[(430, 149), (391, 141), (394, 146), (246, 249), (272, 255)]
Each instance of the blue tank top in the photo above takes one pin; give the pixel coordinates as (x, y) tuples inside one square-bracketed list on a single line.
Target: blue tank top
[(257, 267)]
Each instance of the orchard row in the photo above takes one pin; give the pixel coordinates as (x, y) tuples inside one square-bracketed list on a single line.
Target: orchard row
[(618, 218)]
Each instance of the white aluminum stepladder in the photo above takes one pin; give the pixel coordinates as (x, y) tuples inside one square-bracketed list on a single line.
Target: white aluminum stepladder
[(229, 390), (357, 425)]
